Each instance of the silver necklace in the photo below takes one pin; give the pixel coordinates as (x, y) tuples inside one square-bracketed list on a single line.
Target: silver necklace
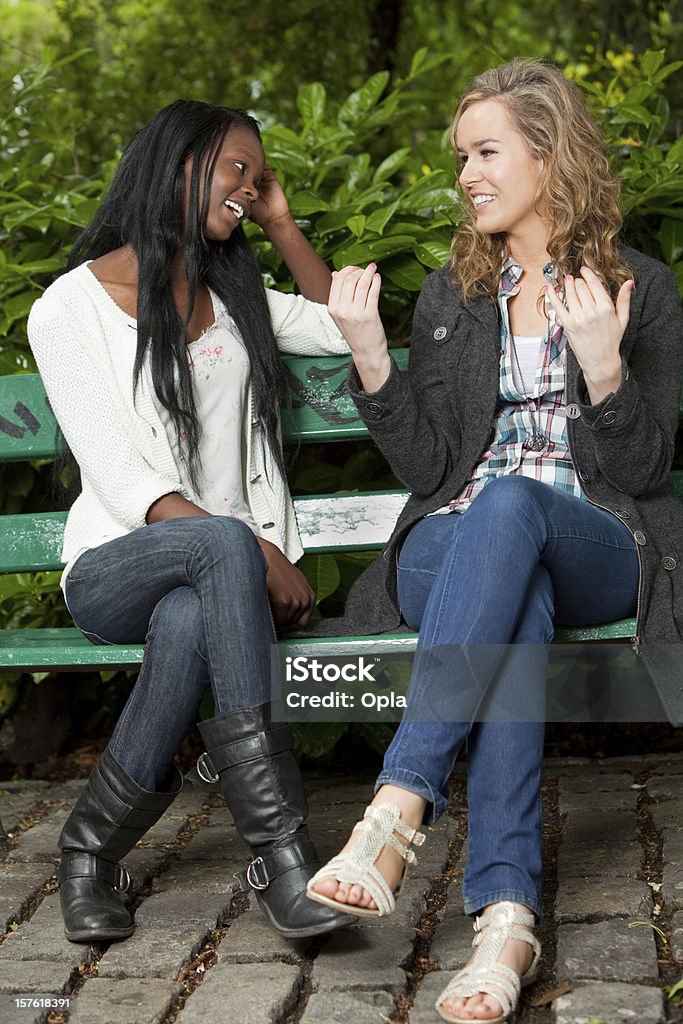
[(536, 440)]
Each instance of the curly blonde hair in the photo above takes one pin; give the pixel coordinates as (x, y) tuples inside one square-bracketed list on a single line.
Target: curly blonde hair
[(576, 187)]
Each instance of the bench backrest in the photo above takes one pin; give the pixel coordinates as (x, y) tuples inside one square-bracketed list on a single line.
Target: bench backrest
[(321, 410)]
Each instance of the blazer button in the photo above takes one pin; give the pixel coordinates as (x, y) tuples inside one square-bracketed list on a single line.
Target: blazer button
[(440, 333), (609, 417), (374, 407), (584, 477), (622, 513), (267, 526), (669, 563), (573, 412), (639, 537)]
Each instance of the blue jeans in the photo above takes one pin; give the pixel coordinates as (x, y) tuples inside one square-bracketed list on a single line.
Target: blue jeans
[(194, 590), (524, 556)]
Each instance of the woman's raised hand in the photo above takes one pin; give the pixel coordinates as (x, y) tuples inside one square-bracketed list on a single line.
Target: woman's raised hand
[(354, 307), (594, 326), (271, 204)]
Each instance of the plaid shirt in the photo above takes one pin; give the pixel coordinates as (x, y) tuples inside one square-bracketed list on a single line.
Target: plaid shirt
[(513, 422)]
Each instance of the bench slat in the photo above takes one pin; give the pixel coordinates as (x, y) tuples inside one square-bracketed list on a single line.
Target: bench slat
[(321, 409), (344, 522), (68, 650)]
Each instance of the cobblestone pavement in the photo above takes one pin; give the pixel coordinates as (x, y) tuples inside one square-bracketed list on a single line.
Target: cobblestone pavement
[(612, 931)]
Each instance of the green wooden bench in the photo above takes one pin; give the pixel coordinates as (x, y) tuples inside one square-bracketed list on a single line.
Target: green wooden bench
[(322, 411)]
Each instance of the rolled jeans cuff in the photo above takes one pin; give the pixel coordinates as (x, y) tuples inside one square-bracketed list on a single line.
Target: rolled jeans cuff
[(414, 783), (474, 905)]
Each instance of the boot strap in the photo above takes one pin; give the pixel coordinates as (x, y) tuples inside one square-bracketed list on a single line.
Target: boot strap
[(78, 864), (250, 748), (264, 870)]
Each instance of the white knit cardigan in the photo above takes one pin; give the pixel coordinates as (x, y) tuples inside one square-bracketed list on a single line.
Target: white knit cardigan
[(84, 345)]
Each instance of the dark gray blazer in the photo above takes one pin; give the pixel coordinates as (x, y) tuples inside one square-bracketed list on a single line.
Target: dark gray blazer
[(433, 424)]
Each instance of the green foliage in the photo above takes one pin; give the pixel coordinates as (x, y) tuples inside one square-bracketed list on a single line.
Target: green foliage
[(44, 199), (367, 171)]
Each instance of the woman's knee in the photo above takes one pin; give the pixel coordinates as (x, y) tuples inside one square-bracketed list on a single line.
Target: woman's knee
[(508, 496), (219, 537)]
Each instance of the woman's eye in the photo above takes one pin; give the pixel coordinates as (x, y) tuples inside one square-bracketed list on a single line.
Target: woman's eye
[(487, 152), (240, 166)]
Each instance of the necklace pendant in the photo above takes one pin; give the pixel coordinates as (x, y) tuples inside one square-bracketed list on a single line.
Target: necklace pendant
[(534, 442)]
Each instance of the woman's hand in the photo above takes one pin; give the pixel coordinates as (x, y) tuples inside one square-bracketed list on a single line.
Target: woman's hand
[(291, 595), (353, 305), (271, 204), (594, 326)]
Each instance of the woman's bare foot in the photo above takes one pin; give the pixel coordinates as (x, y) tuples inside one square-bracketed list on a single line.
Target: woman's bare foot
[(389, 863), (516, 954)]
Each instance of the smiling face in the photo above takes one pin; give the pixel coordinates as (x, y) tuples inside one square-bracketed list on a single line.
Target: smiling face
[(235, 185), (499, 175)]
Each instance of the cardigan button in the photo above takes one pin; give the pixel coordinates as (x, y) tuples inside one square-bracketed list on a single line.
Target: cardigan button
[(440, 333), (668, 563), (639, 537), (622, 513), (374, 407), (584, 477), (255, 478), (609, 417), (573, 412), (267, 526)]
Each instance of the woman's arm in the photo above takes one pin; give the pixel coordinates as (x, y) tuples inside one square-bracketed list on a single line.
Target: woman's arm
[(271, 212)]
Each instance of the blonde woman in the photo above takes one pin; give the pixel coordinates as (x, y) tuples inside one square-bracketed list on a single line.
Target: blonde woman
[(535, 429)]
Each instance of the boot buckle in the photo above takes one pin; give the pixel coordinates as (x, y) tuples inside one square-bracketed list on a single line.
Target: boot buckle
[(253, 870), (205, 769), (122, 879)]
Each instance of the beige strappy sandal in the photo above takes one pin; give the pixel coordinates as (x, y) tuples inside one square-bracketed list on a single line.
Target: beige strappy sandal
[(356, 866), (498, 923)]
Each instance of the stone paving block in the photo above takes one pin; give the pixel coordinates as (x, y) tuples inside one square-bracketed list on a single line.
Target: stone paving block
[(580, 899), (253, 993), (169, 929), (451, 947), (672, 885), (251, 939), (592, 826), (210, 876), (17, 883), (39, 843), (133, 1000), (664, 787), (579, 860), (431, 987), (216, 842), (15, 806), (342, 1007), (592, 783), (363, 958), (10, 1013), (668, 813), (606, 951), (611, 1003), (677, 936), (572, 802), (321, 795), (42, 938), (24, 976)]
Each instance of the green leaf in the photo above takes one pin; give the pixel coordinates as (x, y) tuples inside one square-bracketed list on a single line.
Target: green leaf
[(405, 272), (322, 573), (311, 102), (372, 250), (303, 203), (671, 239), (433, 199), (360, 102), (391, 164), (432, 254), (356, 225), (378, 219), (651, 61), (418, 60)]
